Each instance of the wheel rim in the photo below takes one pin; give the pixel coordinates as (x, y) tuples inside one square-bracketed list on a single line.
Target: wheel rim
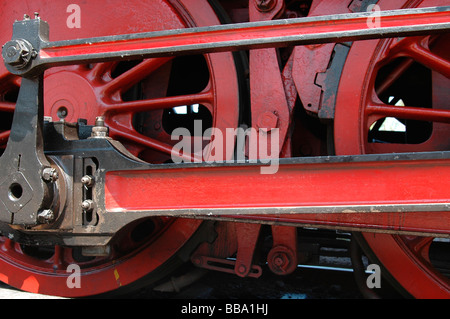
[(139, 113), (357, 131)]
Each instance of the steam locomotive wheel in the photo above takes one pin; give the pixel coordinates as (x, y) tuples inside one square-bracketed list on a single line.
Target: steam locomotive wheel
[(400, 104), (142, 102)]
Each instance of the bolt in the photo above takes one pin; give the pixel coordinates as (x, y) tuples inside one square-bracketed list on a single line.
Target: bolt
[(267, 121), (99, 121), (50, 174), (46, 216), (87, 205), (87, 180), (265, 5), (18, 53), (279, 260), (242, 269), (197, 260), (100, 130)]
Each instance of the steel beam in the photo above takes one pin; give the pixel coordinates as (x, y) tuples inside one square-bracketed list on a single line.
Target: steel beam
[(243, 36), (380, 193)]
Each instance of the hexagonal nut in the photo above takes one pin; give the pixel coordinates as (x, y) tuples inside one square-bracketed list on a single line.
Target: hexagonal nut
[(281, 260), (50, 174), (17, 53)]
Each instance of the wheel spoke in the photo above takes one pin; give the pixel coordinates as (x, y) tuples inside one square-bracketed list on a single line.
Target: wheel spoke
[(419, 244), (7, 106), (394, 76), (409, 113), (100, 69), (9, 79), (160, 103), (431, 60), (414, 48), (4, 136), (148, 142), (58, 258), (131, 77)]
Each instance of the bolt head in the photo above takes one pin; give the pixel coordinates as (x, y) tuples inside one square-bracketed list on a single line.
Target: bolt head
[(267, 121), (279, 260), (50, 174), (46, 216), (265, 5), (242, 269), (87, 205), (87, 180), (100, 121), (17, 53)]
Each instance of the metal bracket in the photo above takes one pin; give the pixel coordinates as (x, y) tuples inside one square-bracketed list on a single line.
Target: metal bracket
[(27, 179)]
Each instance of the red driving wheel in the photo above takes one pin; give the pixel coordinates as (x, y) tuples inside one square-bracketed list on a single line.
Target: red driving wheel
[(142, 102), (398, 104)]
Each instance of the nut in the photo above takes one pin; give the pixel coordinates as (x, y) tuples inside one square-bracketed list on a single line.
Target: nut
[(87, 180), (46, 216), (50, 174), (87, 205), (100, 130), (265, 5), (18, 53)]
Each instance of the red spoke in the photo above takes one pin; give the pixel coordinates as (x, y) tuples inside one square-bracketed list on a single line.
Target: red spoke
[(58, 258), (409, 113), (8, 79), (161, 103), (7, 106), (394, 76), (100, 69), (419, 244), (4, 136), (429, 59), (133, 136), (126, 80)]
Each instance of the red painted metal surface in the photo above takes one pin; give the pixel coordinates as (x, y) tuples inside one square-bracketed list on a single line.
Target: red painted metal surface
[(308, 186), (225, 39), (243, 194), (269, 110)]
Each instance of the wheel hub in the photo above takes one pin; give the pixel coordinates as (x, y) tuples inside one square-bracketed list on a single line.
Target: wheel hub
[(69, 96)]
